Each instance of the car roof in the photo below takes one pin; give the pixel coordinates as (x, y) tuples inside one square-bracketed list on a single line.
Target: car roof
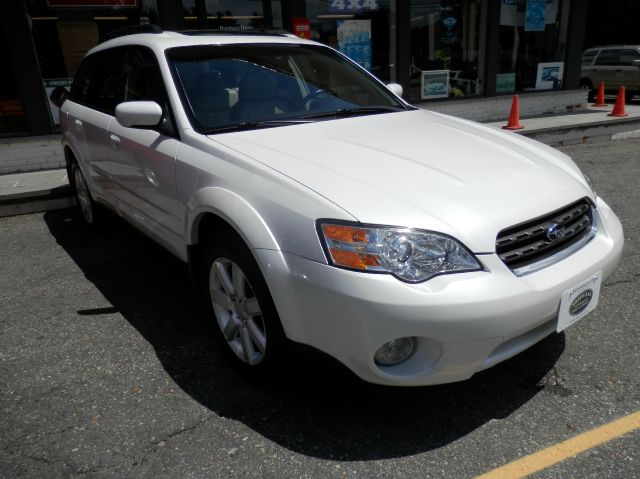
[(606, 47), (165, 40)]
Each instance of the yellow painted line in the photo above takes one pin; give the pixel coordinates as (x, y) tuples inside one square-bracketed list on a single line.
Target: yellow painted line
[(564, 450)]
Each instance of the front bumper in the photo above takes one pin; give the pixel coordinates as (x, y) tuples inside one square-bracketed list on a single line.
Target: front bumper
[(463, 322)]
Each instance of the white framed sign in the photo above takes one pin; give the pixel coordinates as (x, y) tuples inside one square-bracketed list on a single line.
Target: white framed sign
[(434, 84), (549, 75)]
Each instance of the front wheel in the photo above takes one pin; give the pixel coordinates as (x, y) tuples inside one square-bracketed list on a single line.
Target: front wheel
[(244, 316)]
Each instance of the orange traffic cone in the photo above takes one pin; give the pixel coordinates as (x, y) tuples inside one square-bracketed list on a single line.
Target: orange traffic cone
[(514, 116), (600, 98), (618, 108)]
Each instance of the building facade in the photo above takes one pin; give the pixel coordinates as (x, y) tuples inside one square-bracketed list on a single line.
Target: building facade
[(438, 50)]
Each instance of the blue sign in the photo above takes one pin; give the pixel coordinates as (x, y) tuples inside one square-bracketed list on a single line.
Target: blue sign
[(534, 20), (354, 40)]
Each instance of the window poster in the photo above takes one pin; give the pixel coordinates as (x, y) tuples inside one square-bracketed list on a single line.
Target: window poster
[(434, 84), (354, 40), (549, 75), (513, 12), (505, 83), (535, 15)]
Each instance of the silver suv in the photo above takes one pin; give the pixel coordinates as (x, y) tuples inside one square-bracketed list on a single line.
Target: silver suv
[(615, 66)]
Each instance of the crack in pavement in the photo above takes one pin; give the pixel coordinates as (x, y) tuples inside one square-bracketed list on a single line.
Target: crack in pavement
[(178, 432)]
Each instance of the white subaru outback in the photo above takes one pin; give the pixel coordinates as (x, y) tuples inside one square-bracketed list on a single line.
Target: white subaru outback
[(317, 207)]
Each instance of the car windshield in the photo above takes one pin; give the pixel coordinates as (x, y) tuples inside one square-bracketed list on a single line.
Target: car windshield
[(252, 86)]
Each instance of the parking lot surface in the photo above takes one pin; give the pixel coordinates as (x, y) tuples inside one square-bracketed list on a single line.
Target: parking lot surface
[(107, 369)]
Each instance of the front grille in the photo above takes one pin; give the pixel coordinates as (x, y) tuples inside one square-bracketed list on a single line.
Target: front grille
[(534, 241)]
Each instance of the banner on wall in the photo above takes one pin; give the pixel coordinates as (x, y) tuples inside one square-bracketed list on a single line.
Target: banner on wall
[(513, 12), (354, 40)]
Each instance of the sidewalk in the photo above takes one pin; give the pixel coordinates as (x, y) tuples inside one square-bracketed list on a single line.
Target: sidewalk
[(23, 190)]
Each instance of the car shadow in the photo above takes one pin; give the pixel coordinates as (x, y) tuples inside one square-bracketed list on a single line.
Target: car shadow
[(322, 410)]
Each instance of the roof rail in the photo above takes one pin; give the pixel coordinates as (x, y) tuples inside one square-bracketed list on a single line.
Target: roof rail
[(238, 31), (121, 32)]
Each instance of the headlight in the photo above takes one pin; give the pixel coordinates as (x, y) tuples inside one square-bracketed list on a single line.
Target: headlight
[(410, 255), (589, 181)]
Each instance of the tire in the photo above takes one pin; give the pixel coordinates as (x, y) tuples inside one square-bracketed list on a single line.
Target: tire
[(86, 204), (240, 309)]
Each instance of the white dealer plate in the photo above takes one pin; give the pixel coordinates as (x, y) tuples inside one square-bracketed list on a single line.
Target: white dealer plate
[(579, 301)]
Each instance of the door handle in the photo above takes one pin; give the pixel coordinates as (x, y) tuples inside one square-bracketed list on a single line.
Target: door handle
[(115, 141), (78, 124), (619, 70)]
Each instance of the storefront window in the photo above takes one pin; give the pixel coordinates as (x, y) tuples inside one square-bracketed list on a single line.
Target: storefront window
[(533, 36), (190, 14), (63, 32), (363, 30), (445, 37), (235, 14), (12, 118)]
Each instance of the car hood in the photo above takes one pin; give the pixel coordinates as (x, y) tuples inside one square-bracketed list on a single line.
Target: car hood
[(422, 170)]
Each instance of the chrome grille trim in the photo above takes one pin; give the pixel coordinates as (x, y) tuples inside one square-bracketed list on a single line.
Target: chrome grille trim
[(528, 247), (559, 256)]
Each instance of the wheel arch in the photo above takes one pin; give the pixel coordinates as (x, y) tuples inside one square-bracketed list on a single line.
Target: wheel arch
[(216, 209)]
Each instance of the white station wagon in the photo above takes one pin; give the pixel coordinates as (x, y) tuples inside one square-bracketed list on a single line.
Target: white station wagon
[(316, 206)]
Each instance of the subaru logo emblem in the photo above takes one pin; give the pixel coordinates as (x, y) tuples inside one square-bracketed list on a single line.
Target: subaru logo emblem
[(555, 232)]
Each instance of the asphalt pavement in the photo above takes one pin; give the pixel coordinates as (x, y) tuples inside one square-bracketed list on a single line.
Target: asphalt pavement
[(108, 369)]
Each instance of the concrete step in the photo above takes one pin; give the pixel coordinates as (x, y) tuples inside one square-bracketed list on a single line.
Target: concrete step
[(33, 192)]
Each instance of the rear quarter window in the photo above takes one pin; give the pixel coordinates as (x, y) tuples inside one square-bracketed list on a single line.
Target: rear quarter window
[(588, 56)]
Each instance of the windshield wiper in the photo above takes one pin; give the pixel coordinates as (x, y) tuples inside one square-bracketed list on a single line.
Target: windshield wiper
[(347, 112), (254, 125)]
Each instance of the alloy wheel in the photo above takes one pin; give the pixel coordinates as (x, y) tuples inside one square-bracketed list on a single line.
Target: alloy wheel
[(237, 311)]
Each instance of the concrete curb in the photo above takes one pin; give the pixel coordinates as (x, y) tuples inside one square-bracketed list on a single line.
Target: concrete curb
[(35, 205), (593, 133), (34, 192)]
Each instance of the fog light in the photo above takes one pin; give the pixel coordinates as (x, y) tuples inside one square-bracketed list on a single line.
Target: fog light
[(395, 351)]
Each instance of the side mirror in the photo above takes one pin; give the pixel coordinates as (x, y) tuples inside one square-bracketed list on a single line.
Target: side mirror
[(395, 88), (635, 63), (58, 96), (138, 113)]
